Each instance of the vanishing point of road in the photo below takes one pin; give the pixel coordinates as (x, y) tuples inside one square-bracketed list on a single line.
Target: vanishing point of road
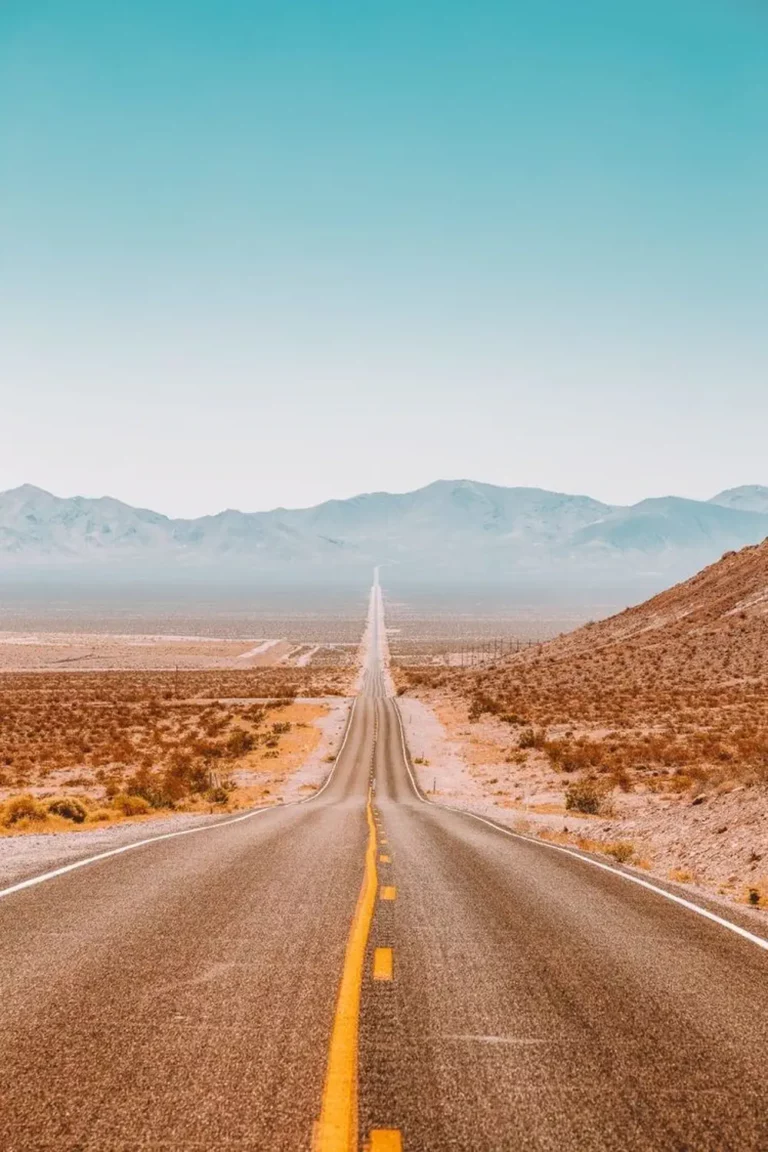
[(370, 970)]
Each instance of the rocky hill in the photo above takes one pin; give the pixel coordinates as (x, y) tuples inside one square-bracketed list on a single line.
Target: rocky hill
[(669, 691), (644, 736)]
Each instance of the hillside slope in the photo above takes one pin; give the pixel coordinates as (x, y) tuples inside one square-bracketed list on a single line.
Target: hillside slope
[(710, 629), (690, 661), (644, 736)]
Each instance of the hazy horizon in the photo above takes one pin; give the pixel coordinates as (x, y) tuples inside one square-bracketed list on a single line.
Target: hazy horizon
[(357, 495)]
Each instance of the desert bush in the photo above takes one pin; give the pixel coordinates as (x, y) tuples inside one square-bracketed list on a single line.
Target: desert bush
[(240, 742), (184, 775), (621, 851), (123, 732), (69, 807), (530, 738), (583, 796), (24, 807), (481, 702), (513, 719), (130, 805)]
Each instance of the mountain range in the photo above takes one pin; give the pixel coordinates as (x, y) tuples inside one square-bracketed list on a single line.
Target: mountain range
[(458, 529)]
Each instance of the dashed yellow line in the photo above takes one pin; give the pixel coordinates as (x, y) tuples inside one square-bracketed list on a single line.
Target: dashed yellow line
[(385, 859), (388, 892), (336, 1130), (383, 964), (384, 1140)]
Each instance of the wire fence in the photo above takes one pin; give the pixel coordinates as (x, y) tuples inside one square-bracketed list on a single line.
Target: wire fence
[(468, 652)]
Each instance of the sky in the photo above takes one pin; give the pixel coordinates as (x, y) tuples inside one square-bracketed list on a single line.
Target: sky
[(264, 253)]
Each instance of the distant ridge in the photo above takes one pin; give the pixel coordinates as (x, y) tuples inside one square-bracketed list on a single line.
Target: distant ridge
[(748, 498), (451, 529)]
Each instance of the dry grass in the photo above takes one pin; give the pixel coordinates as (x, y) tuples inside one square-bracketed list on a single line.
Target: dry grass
[(122, 743), (27, 813), (621, 851)]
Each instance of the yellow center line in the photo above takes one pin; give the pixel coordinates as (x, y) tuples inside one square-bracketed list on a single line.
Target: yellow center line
[(336, 1130), (388, 892)]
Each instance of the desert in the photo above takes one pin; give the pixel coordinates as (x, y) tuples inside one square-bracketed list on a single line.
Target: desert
[(643, 736)]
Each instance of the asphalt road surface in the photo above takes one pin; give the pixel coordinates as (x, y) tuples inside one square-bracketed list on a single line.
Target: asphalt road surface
[(366, 969)]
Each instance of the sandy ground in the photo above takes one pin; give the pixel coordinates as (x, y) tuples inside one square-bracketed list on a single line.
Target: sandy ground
[(290, 778), (716, 843), (63, 652)]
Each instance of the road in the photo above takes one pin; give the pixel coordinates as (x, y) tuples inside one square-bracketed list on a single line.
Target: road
[(369, 969)]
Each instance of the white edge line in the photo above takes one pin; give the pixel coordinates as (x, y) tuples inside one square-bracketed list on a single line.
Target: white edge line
[(32, 881), (760, 941), (329, 777)]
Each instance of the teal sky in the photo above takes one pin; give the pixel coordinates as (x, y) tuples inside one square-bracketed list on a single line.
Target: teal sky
[(267, 253)]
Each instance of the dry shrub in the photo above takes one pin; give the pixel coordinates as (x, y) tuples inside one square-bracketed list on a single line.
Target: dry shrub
[(24, 807), (155, 735), (530, 738), (622, 851), (240, 742), (583, 796), (128, 805), (68, 807)]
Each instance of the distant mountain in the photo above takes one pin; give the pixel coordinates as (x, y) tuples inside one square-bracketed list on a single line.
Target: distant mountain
[(448, 530), (748, 498), (670, 525)]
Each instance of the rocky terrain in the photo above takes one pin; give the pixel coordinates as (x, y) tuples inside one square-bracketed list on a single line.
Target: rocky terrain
[(646, 733)]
